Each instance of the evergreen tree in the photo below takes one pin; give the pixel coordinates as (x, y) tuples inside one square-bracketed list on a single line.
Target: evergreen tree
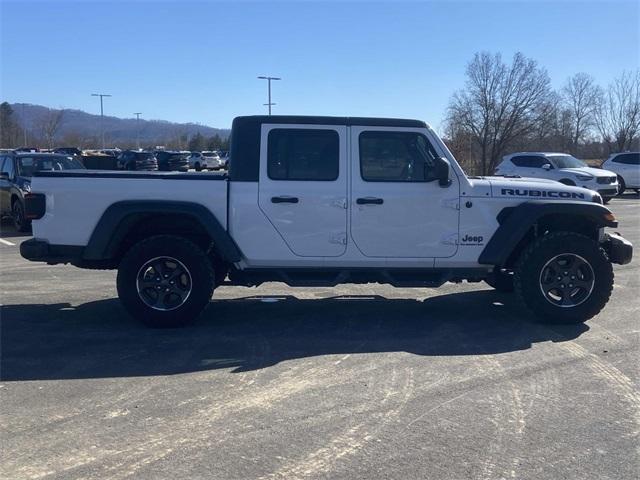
[(8, 127)]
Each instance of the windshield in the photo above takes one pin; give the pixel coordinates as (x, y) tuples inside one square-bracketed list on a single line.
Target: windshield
[(566, 161), (28, 165)]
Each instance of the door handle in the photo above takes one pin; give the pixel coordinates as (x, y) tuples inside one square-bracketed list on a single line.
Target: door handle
[(370, 201), (284, 199)]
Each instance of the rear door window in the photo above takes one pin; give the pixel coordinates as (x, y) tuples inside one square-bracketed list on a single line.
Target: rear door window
[(303, 154), (628, 159), (529, 161)]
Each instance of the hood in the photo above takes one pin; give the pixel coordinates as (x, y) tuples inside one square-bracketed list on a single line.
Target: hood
[(538, 189), (596, 172)]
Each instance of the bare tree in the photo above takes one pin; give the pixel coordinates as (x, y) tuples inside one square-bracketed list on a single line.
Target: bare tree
[(617, 114), (580, 98), (501, 103), (49, 124)]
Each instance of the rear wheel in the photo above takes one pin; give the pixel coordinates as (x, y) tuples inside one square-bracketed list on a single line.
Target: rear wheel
[(20, 223), (165, 281), (564, 277)]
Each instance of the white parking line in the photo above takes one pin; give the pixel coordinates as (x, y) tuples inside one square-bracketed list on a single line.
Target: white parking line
[(7, 242)]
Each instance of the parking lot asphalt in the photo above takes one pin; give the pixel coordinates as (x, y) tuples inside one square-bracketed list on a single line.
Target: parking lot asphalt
[(355, 382)]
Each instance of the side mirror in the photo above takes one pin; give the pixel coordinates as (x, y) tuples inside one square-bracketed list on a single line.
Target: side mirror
[(441, 169), (547, 166), (4, 176)]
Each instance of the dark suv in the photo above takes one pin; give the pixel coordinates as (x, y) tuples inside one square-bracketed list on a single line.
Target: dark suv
[(130, 160), (68, 151), (172, 161), (16, 170)]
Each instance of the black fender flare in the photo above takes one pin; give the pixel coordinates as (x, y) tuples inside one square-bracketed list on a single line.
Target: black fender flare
[(120, 217), (515, 222)]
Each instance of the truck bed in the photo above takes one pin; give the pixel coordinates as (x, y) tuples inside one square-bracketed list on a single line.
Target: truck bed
[(76, 199), (131, 174)]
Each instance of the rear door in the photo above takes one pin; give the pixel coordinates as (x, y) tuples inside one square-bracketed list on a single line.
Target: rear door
[(303, 186), (631, 168), (397, 209)]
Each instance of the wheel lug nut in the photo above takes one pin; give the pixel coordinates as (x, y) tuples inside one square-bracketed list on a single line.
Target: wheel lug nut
[(559, 278), (566, 273), (573, 277), (571, 285), (562, 285)]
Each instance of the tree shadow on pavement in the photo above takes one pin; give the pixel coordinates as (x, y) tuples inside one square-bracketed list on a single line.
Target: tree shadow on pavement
[(98, 339)]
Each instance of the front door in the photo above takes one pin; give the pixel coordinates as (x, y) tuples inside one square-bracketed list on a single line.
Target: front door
[(6, 165), (303, 186), (397, 208)]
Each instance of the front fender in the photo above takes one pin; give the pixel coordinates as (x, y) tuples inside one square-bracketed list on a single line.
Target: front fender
[(515, 222)]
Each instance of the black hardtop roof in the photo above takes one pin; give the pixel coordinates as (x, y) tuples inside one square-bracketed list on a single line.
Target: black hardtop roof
[(319, 120)]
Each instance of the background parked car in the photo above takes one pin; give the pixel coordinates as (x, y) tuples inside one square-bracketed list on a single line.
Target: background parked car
[(99, 161), (224, 158), (560, 167), (172, 161), (130, 160), (16, 170), (215, 163), (68, 151), (627, 167), (26, 149), (204, 161)]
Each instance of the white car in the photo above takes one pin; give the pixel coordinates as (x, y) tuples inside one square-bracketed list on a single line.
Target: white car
[(627, 167), (204, 161), (562, 168)]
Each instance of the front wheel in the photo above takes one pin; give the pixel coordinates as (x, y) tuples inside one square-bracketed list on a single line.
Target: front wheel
[(621, 186), (564, 277), (165, 281), (20, 223)]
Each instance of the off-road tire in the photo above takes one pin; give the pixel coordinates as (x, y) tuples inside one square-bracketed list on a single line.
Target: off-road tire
[(527, 277), (501, 280), (197, 264), (20, 223)]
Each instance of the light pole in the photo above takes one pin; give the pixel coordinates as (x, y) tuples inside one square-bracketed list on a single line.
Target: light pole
[(101, 95), (137, 114), (268, 79)]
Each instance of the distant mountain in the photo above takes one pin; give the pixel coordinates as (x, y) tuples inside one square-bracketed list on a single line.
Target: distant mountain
[(83, 129)]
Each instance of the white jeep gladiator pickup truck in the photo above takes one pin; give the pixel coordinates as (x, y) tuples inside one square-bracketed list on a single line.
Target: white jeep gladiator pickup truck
[(319, 201)]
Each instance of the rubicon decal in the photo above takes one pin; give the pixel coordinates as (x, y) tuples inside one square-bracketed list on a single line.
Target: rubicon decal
[(517, 192)]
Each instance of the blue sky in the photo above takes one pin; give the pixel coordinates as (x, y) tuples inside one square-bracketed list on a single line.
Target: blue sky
[(198, 61)]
